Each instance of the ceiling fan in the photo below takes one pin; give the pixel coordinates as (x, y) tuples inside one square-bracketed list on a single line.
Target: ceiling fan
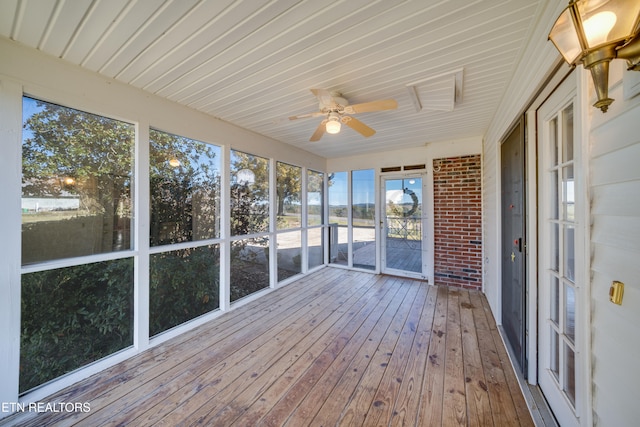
[(336, 111)]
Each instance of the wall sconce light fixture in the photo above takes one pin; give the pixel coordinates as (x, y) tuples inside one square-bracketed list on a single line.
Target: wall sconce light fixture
[(593, 32)]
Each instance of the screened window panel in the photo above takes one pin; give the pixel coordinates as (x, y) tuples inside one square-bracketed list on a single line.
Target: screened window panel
[(288, 196), (249, 266), (183, 284), (315, 198), (249, 194), (185, 189), (77, 176), (73, 316), (289, 254)]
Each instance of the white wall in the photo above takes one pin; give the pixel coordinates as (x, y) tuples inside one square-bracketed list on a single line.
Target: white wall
[(615, 254), (409, 156)]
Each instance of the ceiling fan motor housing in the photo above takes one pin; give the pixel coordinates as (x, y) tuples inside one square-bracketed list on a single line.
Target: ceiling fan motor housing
[(337, 100)]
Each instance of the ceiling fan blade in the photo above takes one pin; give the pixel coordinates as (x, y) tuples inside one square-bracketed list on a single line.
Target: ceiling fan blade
[(365, 107), (304, 116), (358, 126), (319, 131), (324, 97)]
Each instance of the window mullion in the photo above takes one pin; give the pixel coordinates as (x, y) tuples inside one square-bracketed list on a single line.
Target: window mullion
[(273, 220), (304, 221), (141, 235), (10, 218), (225, 228)]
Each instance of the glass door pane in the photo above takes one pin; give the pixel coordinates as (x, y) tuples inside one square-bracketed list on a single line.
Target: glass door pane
[(559, 326), (338, 218), (363, 207), (402, 224), (561, 242)]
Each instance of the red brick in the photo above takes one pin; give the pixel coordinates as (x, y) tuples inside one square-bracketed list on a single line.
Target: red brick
[(457, 221)]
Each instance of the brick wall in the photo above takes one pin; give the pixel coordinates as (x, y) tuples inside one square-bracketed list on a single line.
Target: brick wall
[(457, 220)]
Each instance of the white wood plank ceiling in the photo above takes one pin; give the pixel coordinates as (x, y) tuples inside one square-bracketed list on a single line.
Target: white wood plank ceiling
[(252, 62)]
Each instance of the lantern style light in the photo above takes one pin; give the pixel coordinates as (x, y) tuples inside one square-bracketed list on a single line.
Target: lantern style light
[(593, 32)]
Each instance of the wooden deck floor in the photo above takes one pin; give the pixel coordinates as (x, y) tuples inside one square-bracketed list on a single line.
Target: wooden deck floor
[(334, 348)]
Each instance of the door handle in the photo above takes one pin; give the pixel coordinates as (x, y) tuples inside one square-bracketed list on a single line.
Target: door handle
[(518, 243)]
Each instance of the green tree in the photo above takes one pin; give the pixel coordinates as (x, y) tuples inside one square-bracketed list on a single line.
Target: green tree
[(249, 205), (67, 143), (73, 316), (184, 285), (74, 154), (185, 199), (185, 189), (288, 186), (249, 198)]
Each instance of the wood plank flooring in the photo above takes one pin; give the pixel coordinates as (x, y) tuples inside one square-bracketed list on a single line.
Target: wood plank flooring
[(336, 347)]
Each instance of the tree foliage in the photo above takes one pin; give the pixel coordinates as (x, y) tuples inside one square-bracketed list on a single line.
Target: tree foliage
[(249, 205), (185, 189), (76, 315), (288, 185), (73, 316), (185, 198), (67, 143), (249, 200), (184, 285)]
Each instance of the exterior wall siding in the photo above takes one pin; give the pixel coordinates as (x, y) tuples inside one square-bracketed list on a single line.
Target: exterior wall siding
[(615, 251), (457, 197)]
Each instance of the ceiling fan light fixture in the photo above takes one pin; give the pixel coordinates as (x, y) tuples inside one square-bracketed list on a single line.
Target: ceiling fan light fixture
[(337, 111), (333, 124)]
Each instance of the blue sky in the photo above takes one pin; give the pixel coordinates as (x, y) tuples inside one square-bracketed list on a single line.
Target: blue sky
[(363, 184), (29, 108)]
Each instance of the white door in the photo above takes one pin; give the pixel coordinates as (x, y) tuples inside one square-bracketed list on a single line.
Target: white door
[(403, 226), (561, 274)]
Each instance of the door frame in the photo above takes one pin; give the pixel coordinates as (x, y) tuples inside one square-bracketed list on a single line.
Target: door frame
[(426, 226), (520, 125), (557, 75), (578, 93)]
